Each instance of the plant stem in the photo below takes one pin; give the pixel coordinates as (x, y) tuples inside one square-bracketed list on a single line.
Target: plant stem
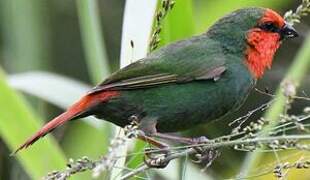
[(93, 41), (191, 150), (18, 121)]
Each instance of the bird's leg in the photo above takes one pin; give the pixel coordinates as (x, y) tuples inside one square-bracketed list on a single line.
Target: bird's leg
[(183, 140), (154, 158), (152, 141), (178, 139)]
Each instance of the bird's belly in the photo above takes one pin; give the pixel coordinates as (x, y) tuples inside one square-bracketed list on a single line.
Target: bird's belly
[(178, 106), (199, 103)]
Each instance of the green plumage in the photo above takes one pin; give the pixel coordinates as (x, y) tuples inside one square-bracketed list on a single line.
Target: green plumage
[(185, 83)]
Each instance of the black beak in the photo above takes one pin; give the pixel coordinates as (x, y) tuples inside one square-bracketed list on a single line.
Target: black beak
[(288, 32)]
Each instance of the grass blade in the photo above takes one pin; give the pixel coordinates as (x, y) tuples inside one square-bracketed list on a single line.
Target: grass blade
[(25, 32), (52, 88), (62, 92), (96, 56), (18, 122)]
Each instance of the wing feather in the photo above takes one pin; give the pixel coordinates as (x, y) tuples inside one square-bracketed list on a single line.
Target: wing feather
[(181, 62)]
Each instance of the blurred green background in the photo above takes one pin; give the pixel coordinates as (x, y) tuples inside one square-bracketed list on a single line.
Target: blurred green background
[(54, 36)]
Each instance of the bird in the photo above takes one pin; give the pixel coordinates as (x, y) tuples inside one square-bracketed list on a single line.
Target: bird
[(189, 82)]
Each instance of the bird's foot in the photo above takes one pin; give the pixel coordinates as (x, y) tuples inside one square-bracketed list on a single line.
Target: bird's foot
[(156, 158), (206, 158), (196, 142), (204, 155), (134, 119)]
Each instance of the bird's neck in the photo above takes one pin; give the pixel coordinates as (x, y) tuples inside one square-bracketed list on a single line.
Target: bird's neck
[(260, 51)]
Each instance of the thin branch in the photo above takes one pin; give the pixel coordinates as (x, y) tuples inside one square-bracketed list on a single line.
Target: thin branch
[(98, 166), (190, 150)]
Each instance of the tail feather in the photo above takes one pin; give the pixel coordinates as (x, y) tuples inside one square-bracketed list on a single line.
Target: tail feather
[(75, 110)]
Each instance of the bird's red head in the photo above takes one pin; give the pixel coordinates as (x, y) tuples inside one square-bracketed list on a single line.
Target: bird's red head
[(264, 39)]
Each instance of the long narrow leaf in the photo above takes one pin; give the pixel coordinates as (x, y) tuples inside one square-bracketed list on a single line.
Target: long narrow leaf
[(93, 41), (55, 89), (25, 35), (62, 92), (18, 122)]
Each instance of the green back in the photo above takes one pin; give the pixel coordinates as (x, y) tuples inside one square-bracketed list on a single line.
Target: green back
[(223, 43)]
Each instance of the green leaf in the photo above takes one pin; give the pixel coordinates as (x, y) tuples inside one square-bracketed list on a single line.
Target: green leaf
[(17, 122), (25, 35), (96, 56), (55, 89)]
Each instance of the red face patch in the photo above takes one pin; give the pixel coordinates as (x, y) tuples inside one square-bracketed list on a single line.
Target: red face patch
[(262, 45), (272, 16)]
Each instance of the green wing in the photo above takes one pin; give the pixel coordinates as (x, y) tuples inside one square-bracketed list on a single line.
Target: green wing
[(198, 58)]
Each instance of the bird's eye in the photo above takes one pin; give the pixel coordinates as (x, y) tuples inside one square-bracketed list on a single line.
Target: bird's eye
[(269, 26)]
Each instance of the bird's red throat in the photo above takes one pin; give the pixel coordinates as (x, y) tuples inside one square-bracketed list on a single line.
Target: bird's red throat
[(262, 45), (260, 51)]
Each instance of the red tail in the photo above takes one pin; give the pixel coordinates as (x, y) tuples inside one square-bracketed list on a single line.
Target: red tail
[(75, 110)]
